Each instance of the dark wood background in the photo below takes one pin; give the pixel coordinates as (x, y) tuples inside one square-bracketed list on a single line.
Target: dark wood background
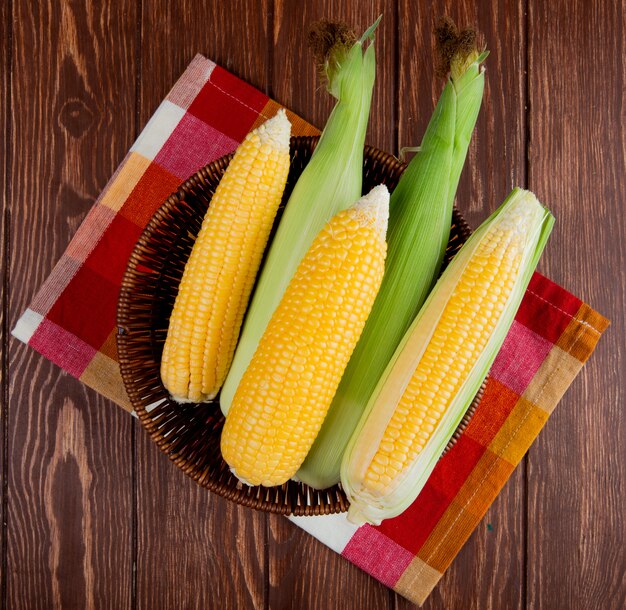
[(93, 515)]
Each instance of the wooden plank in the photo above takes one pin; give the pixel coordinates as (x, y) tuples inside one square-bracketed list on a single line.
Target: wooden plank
[(69, 460), (194, 548), (5, 62), (576, 519), (299, 564), (489, 571)]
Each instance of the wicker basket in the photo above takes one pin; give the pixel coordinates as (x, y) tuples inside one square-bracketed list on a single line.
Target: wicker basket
[(189, 434)]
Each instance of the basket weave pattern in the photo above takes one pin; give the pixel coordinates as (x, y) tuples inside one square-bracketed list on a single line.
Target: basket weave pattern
[(189, 434)]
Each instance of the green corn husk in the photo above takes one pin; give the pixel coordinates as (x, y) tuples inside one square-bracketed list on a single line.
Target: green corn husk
[(419, 227), (330, 183), (520, 215)]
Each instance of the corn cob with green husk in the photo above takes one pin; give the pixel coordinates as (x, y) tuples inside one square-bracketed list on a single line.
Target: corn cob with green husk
[(283, 396), (442, 361), (221, 270), (330, 182), (419, 226)]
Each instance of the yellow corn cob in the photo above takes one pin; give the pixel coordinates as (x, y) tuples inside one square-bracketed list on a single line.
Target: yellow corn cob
[(219, 275), (286, 390), (446, 351), (461, 334)]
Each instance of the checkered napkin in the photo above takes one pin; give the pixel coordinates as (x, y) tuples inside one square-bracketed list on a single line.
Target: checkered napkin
[(71, 321)]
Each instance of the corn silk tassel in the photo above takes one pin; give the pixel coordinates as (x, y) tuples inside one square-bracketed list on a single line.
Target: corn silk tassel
[(420, 216), (284, 394), (442, 361), (330, 182), (223, 264)]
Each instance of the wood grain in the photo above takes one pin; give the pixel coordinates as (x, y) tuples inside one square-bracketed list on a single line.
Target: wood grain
[(489, 571), (297, 562), (195, 550), (5, 111), (215, 547), (577, 470), (69, 458)]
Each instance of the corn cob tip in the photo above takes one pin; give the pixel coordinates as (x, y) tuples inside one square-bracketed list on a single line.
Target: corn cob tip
[(522, 214), (373, 208), (275, 131)]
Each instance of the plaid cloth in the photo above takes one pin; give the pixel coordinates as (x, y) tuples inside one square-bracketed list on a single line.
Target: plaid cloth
[(71, 321)]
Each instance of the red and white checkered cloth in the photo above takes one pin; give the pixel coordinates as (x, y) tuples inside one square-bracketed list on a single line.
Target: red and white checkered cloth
[(71, 321)]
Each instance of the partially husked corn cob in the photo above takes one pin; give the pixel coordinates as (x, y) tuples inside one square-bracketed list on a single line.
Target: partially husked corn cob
[(419, 227), (285, 392), (442, 361), (219, 275)]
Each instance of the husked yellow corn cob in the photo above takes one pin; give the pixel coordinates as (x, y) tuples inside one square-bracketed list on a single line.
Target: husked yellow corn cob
[(219, 275), (442, 360), (280, 404)]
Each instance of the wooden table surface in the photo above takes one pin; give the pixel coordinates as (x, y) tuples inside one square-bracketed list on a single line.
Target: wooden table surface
[(93, 515)]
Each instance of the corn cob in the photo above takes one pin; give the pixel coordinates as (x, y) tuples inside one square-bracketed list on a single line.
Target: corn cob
[(419, 227), (442, 361), (284, 394), (220, 272)]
